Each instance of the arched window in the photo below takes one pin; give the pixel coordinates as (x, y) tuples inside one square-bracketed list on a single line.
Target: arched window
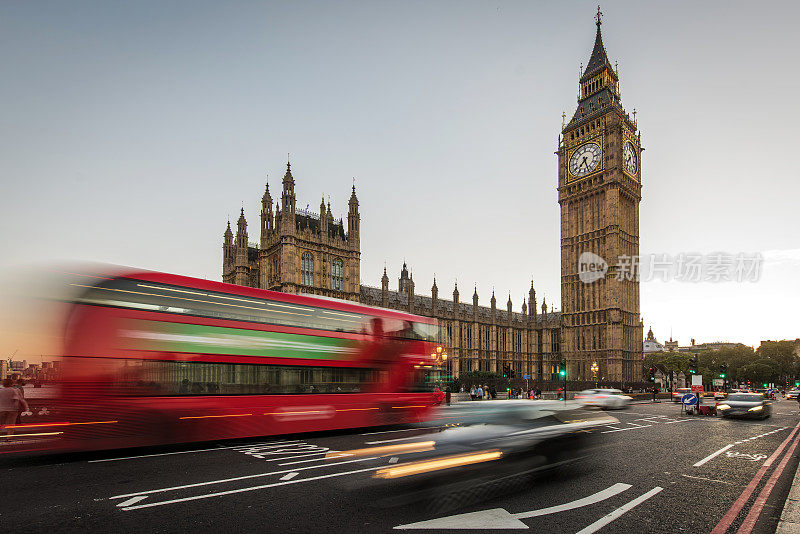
[(307, 270), (337, 276)]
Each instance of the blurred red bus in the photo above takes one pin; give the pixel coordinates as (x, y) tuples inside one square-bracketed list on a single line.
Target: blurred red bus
[(153, 358)]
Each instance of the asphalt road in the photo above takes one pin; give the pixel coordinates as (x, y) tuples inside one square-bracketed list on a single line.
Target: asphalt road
[(655, 471)]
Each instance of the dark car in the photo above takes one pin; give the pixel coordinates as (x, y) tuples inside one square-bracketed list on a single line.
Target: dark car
[(749, 405)]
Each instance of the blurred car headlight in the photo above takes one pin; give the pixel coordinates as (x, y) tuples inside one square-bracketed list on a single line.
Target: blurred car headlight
[(723, 407), (755, 409)]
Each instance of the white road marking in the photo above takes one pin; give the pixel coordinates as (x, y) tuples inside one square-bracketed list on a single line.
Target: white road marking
[(289, 476), (586, 501), (726, 447), (760, 435), (394, 460), (343, 455), (603, 521), (623, 429), (252, 488), (499, 518), (162, 454), (713, 455), (132, 500), (293, 457), (224, 480)]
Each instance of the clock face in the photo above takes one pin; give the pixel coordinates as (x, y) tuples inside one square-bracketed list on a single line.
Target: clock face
[(585, 159), (629, 157)]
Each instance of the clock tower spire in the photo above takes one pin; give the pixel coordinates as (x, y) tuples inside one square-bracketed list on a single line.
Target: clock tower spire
[(599, 190)]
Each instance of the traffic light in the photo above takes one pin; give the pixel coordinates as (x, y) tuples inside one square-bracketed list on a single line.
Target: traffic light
[(651, 374), (723, 370), (693, 365), (562, 371), (511, 373), (505, 371)]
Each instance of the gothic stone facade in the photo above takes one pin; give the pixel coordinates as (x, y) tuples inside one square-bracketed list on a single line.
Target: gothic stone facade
[(599, 190), (299, 251), (480, 338)]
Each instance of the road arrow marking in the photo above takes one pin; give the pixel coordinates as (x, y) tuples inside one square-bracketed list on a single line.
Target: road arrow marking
[(498, 518), (289, 476)]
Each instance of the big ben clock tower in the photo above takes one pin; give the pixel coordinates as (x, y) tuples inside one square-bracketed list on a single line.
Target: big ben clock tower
[(599, 190)]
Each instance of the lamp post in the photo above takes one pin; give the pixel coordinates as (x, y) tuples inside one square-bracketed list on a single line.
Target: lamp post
[(594, 369), (440, 357)]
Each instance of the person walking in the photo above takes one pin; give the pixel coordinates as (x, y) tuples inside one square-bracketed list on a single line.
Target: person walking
[(479, 393), (12, 402), (447, 395)]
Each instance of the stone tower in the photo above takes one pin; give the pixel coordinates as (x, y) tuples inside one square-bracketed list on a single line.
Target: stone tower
[(298, 251), (599, 190)]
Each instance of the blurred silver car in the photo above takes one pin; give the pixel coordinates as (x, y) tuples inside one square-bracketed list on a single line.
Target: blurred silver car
[(750, 405), (606, 399)]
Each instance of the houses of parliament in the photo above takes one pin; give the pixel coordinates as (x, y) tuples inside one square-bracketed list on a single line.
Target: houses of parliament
[(599, 190)]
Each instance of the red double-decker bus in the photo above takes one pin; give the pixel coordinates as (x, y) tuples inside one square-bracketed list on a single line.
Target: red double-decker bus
[(153, 358)]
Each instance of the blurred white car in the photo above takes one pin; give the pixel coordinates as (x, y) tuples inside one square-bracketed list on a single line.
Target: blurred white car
[(607, 399)]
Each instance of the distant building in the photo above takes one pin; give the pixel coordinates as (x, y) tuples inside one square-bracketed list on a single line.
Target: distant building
[(651, 344), (19, 366)]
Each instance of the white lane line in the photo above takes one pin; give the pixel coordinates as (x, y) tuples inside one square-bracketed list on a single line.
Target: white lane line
[(343, 455), (586, 501), (159, 454), (252, 488), (760, 435), (295, 456), (234, 479), (132, 500), (713, 455), (679, 421), (609, 426), (603, 521), (624, 429), (289, 476)]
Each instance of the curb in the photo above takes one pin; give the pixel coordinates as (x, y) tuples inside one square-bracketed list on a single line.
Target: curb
[(790, 517)]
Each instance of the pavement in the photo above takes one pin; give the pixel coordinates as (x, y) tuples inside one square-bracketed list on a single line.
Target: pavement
[(656, 470)]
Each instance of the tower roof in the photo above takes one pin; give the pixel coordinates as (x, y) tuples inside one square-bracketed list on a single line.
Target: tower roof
[(287, 177), (599, 58)]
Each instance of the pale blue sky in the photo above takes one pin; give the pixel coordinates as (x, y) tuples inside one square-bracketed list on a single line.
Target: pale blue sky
[(132, 130)]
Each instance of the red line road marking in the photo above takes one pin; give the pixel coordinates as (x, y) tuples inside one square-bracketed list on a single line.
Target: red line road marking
[(752, 516), (730, 515)]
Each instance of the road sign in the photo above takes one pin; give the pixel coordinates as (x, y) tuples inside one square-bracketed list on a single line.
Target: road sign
[(527, 377), (697, 389), (697, 380), (689, 400), (718, 382)]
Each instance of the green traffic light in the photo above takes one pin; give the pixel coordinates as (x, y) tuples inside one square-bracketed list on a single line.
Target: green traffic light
[(765, 385), (562, 373), (722, 375)]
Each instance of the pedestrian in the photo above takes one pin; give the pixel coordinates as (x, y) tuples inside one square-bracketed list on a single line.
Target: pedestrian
[(560, 393), (479, 393), (472, 392), (493, 392), (12, 402), (538, 393), (447, 395)]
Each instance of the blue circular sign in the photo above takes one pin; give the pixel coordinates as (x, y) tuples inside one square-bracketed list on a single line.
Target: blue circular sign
[(690, 399)]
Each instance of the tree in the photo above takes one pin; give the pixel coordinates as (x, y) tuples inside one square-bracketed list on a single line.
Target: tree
[(758, 373), (782, 353)]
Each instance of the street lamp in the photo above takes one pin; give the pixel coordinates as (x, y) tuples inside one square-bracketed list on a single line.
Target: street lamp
[(594, 369), (440, 357)]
